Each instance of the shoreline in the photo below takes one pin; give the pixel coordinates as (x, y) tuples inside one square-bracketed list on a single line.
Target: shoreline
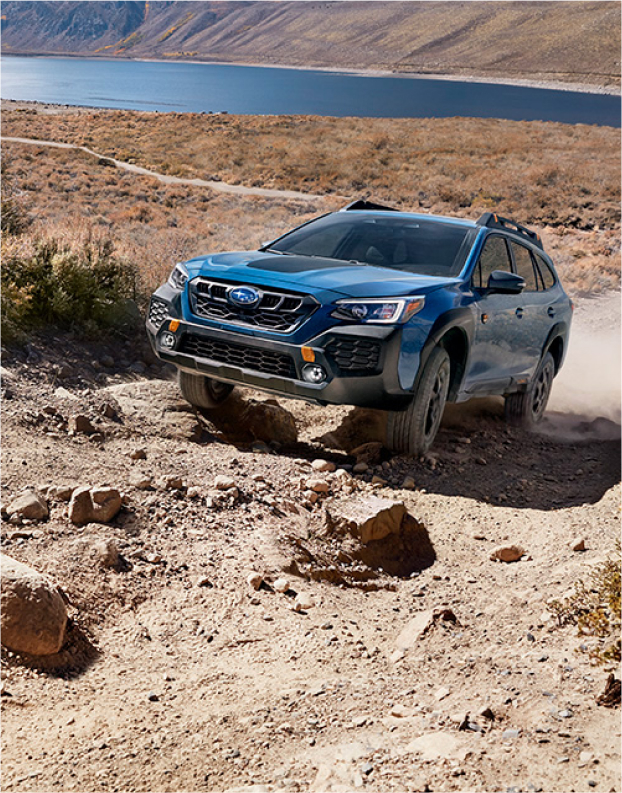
[(521, 82)]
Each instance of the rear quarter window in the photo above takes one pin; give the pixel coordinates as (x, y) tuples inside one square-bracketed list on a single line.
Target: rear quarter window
[(525, 266), (548, 277)]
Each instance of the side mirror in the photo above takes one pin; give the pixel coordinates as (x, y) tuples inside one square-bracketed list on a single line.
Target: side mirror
[(505, 283)]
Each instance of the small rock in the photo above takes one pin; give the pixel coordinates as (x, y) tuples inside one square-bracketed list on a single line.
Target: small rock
[(359, 468), (81, 424), (32, 613), (507, 553), (138, 454), (323, 466), (141, 482), (378, 480), (408, 483), (61, 492), (107, 361), (367, 769), (171, 483), (487, 713), (153, 697), (442, 693), (205, 582), (510, 734), (317, 485), (303, 602), (107, 553), (578, 544), (222, 482), (29, 505), (255, 580), (108, 411), (281, 585), (193, 492)]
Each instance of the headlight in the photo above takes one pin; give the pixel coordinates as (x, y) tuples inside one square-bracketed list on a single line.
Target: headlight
[(379, 310), (178, 277)]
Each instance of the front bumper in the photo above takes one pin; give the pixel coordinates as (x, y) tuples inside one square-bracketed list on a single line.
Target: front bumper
[(361, 362)]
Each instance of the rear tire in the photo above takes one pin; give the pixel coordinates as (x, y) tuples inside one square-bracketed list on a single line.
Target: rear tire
[(527, 408), (203, 392), (412, 431)]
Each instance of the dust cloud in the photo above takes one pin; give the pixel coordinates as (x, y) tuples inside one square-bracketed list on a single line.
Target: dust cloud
[(586, 397)]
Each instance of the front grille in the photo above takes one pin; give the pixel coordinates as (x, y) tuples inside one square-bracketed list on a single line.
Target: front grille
[(354, 356), (157, 311), (253, 358), (276, 310)]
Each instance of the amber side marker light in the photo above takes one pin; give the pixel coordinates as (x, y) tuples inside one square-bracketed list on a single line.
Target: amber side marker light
[(173, 325), (308, 354)]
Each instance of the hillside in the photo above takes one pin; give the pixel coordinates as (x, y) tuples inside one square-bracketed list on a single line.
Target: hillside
[(223, 635), (568, 41)]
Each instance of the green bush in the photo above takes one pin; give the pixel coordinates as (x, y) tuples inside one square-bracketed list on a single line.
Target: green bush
[(80, 284)]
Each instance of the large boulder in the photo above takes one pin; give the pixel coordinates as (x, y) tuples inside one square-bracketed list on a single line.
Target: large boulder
[(33, 616), (367, 518), (94, 505)]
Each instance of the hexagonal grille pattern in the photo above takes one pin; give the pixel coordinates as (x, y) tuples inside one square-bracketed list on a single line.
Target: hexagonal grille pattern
[(253, 358), (354, 356)]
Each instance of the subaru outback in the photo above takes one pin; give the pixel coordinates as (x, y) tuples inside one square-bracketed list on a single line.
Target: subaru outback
[(372, 307)]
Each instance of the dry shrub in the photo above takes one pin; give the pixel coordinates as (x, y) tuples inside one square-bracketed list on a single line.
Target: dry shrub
[(594, 607), (70, 281)]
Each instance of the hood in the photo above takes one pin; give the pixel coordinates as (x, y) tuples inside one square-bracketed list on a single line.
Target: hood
[(313, 274)]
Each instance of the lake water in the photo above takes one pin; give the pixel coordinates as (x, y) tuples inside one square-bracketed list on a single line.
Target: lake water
[(250, 90)]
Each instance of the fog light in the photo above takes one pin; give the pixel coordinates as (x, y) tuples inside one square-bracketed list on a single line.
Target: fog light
[(313, 373), (167, 340)]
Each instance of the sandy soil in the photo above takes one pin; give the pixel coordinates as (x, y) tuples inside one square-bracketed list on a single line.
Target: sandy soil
[(178, 676)]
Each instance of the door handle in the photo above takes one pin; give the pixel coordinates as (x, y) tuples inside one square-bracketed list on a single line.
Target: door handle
[(550, 311), (520, 312)]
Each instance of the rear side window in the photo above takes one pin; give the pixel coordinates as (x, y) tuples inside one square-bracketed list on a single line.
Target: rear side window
[(524, 267), (494, 256), (546, 273)]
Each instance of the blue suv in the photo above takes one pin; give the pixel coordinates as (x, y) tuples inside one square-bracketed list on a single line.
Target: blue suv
[(373, 307)]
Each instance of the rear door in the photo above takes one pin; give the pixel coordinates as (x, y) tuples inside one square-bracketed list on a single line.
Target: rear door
[(537, 316)]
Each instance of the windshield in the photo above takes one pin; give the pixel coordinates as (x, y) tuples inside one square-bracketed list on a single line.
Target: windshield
[(415, 245)]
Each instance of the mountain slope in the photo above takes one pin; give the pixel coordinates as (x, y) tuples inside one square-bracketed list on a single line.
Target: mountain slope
[(554, 40)]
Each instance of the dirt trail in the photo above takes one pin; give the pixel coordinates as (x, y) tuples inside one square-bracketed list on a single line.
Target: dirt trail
[(220, 187), (178, 675)]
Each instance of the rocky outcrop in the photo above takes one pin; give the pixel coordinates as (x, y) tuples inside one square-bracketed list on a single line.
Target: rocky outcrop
[(33, 612), (94, 505), (366, 518)]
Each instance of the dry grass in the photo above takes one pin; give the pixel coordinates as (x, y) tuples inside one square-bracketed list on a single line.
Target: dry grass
[(540, 173), (563, 180)]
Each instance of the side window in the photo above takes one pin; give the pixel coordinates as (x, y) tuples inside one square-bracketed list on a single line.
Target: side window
[(524, 266), (545, 271), (495, 256)]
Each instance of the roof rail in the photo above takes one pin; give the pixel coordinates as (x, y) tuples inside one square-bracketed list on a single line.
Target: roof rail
[(494, 221), (369, 206)]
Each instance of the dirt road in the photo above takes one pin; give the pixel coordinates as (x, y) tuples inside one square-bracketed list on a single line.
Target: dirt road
[(179, 675)]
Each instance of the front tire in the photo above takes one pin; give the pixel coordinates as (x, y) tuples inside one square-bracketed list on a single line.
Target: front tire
[(527, 408), (201, 391), (412, 431)]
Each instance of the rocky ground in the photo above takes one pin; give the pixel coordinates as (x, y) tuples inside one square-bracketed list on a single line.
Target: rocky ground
[(236, 626)]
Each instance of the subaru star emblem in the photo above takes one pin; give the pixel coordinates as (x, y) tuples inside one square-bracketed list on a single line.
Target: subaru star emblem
[(243, 296)]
